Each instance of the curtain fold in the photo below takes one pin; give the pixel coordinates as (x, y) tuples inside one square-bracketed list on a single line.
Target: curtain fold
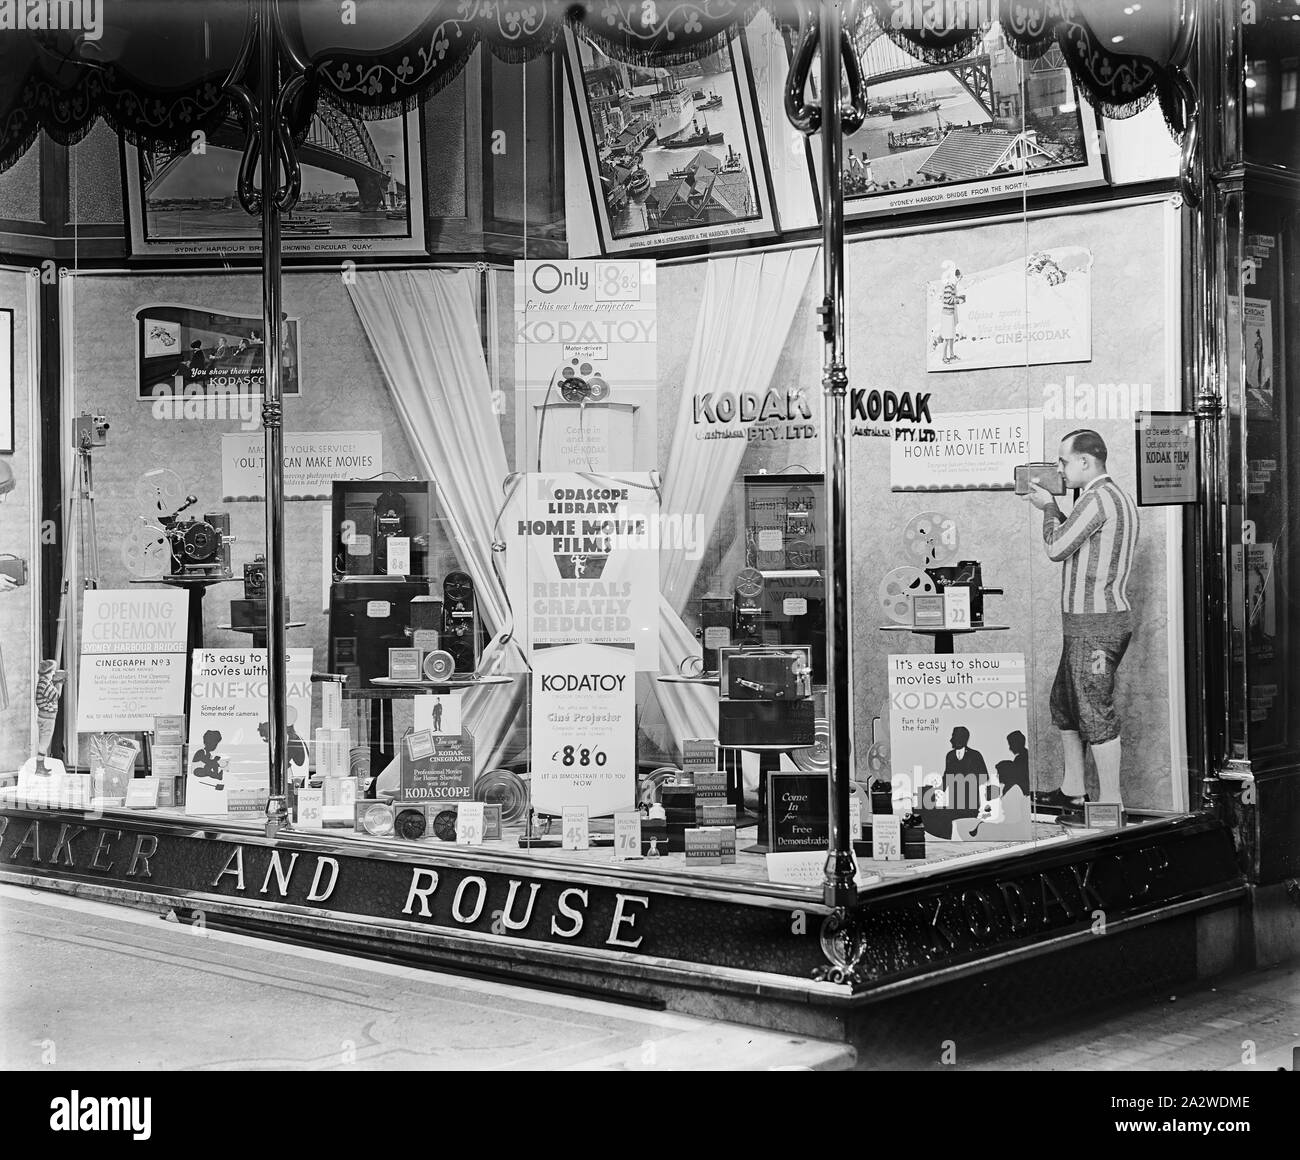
[(748, 307), (423, 326)]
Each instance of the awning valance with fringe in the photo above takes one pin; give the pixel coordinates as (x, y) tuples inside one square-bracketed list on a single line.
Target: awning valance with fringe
[(159, 70)]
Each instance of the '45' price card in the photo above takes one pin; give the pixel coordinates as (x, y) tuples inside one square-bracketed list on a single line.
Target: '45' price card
[(584, 728)]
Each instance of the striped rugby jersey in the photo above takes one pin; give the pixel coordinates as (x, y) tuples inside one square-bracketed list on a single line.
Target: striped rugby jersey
[(1095, 543)]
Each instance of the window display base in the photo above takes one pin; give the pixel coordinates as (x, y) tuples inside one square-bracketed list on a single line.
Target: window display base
[(732, 946)]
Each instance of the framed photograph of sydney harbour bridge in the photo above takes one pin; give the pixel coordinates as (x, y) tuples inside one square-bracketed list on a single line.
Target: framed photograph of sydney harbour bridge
[(986, 126), (673, 156), (362, 192)]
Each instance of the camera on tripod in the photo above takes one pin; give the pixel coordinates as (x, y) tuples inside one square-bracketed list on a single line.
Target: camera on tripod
[(89, 431), (199, 547)]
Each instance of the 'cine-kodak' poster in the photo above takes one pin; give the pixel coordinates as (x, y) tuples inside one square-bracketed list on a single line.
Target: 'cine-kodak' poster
[(229, 763)]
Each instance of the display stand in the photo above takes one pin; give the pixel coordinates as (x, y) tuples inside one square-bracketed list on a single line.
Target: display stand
[(258, 630), (943, 637), (450, 683), (197, 588), (589, 436)]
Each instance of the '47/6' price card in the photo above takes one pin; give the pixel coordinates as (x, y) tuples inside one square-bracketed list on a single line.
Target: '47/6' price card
[(584, 728)]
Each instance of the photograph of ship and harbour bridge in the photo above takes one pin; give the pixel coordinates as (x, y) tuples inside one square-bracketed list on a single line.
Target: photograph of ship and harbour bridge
[(987, 114), (671, 147)]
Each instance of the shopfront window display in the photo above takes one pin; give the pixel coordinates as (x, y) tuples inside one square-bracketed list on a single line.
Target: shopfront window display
[(556, 504)]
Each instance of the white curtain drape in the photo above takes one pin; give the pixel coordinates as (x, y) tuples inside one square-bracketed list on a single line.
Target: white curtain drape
[(745, 318), (424, 328)]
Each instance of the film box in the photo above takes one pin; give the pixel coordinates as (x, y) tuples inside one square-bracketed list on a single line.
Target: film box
[(710, 787), (699, 754), (333, 752), (715, 813), (728, 834), (704, 847), (404, 664)]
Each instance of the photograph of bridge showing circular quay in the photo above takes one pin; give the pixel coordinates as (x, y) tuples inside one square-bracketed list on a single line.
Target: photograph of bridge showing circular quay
[(354, 183)]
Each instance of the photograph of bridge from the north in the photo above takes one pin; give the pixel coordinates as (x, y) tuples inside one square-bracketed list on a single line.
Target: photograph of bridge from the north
[(355, 183)]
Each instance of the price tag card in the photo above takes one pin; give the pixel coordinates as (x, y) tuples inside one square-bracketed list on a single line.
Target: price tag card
[(627, 834), (1103, 815), (425, 639), (717, 636), (420, 745), (399, 555), (770, 540), (311, 808), (469, 824), (142, 793), (794, 606), (575, 828), (855, 819), (956, 607), (331, 705), (887, 838), (169, 730), (404, 664)]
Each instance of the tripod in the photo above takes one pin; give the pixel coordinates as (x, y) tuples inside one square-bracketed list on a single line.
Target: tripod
[(79, 528)]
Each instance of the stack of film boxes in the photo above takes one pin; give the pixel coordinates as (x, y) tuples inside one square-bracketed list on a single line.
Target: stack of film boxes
[(334, 759), (712, 840)]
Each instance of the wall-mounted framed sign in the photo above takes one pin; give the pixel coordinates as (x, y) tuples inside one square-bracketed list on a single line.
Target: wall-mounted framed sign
[(674, 156), (988, 125), (1168, 458), (362, 192)]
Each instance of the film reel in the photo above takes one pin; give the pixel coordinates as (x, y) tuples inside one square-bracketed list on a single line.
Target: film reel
[(580, 383), (146, 552), (815, 758), (931, 540), (650, 785), (160, 491), (438, 665), (505, 788), (897, 589)]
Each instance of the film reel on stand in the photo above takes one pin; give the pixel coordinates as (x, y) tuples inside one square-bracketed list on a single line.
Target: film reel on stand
[(898, 587), (931, 540)]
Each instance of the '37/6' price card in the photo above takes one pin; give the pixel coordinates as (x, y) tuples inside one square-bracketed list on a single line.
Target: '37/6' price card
[(584, 728)]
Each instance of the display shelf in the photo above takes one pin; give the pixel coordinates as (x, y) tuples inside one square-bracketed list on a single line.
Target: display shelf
[(943, 637), (450, 683)]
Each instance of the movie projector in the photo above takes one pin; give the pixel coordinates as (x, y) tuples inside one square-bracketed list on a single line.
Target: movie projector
[(932, 543), (164, 545)]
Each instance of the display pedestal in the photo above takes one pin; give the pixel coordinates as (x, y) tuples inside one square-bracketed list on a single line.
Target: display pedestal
[(197, 587), (258, 631)]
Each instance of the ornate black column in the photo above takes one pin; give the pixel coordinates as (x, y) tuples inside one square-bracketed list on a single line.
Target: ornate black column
[(822, 26), (269, 147)]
